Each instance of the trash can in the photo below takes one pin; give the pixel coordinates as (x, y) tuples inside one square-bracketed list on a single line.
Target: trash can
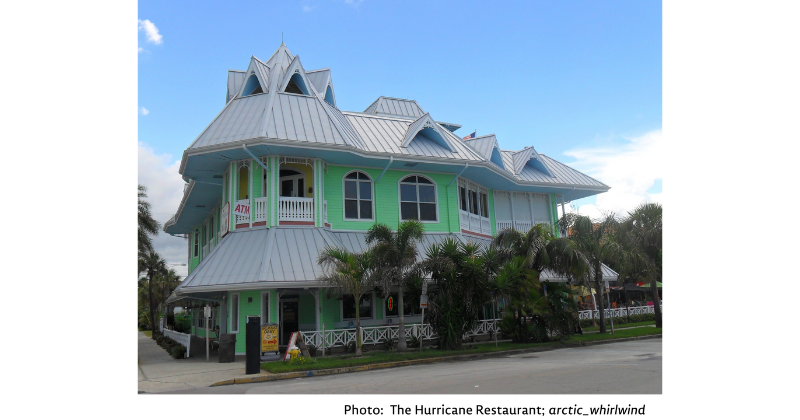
[(252, 341), (227, 348)]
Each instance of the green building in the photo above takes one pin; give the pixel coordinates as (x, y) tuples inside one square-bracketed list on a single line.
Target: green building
[(281, 173)]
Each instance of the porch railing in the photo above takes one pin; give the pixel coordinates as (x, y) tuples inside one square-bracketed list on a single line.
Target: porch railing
[(300, 209), (239, 218), (616, 313), (260, 209), (475, 223), (180, 338), (377, 334)]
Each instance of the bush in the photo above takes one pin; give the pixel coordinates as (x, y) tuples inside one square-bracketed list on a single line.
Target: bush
[(312, 350), (414, 342), (183, 323), (532, 329), (389, 343), (178, 351), (351, 347)]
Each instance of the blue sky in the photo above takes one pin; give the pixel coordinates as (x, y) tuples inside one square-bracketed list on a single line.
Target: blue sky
[(580, 81)]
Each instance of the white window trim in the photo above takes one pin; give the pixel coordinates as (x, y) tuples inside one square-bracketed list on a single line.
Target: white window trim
[(341, 308), (435, 197), (230, 311), (358, 194), (267, 301)]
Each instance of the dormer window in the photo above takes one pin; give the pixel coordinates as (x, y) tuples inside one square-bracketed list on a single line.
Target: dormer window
[(296, 85), (252, 86)]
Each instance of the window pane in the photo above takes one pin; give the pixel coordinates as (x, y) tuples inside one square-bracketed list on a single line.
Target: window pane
[(365, 188), (426, 194), (365, 309), (352, 175), (348, 306), (366, 209), (362, 175), (408, 192), (422, 180), (427, 212), (463, 196), (408, 211), (351, 209), (410, 179), (484, 205), (350, 189), (301, 189), (473, 202)]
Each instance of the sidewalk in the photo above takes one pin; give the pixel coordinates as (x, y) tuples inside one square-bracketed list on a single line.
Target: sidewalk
[(159, 372)]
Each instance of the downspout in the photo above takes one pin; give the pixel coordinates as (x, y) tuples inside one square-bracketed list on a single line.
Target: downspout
[(466, 165), (244, 147), (391, 159)]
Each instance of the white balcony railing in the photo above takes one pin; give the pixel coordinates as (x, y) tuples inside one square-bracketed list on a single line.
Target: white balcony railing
[(520, 225), (299, 209), (617, 313), (474, 223), (260, 209), (239, 218)]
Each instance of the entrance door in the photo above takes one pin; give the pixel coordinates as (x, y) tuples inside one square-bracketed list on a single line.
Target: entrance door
[(289, 320), (292, 183)]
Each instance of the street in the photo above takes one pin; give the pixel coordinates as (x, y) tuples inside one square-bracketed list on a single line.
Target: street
[(632, 367)]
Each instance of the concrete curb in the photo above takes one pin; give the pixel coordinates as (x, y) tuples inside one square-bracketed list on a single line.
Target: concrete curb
[(461, 357)]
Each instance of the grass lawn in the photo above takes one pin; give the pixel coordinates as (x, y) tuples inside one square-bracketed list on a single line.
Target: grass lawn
[(616, 325), (148, 333), (487, 347)]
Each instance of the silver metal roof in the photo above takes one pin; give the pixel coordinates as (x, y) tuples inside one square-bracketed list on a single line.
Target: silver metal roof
[(303, 118), (356, 241), (320, 79), (608, 275), (561, 173), (262, 256), (235, 81), (395, 106)]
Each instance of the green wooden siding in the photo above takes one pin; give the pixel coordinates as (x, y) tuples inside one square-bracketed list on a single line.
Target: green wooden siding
[(386, 199)]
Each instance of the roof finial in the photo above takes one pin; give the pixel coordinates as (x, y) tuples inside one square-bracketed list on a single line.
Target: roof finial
[(281, 38)]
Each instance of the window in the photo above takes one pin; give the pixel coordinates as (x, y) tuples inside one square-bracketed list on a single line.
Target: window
[(196, 241), (244, 183), (357, 196), (234, 313), (417, 199), (265, 308), (349, 306), (473, 198), (211, 229), (392, 303)]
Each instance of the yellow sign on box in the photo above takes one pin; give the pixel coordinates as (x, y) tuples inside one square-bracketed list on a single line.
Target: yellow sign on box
[(269, 337)]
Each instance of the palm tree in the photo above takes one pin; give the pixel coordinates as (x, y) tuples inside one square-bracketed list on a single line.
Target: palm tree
[(147, 225), (532, 245), (152, 264), (167, 281), (592, 244), (518, 285), (349, 273), (644, 228), (395, 258)]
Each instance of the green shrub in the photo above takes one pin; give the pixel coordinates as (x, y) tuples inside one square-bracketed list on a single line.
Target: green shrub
[(312, 350), (389, 343), (414, 342), (177, 351), (351, 347)]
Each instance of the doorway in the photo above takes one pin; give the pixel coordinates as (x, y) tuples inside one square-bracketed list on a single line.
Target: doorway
[(289, 320), (292, 183)]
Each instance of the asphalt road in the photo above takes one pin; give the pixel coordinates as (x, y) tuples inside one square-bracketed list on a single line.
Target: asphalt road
[(632, 367)]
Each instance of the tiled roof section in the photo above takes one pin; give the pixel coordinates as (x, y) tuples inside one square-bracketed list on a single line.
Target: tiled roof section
[(320, 79), (394, 106), (239, 120), (386, 135)]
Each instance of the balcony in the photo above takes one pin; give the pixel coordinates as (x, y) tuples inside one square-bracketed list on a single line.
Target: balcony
[(474, 223), (296, 209), (520, 225)]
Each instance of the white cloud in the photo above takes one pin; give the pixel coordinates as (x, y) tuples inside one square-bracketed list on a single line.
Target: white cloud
[(145, 111), (140, 50), (630, 170), (151, 31), (307, 9), (159, 173), (354, 3)]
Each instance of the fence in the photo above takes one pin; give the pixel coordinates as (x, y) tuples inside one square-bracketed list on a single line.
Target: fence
[(180, 338), (616, 313)]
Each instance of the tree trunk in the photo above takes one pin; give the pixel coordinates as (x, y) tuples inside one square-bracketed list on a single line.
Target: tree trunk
[(150, 298), (656, 301), (598, 277), (401, 327), (627, 308), (358, 328)]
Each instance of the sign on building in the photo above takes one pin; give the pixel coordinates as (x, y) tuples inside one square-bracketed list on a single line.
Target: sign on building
[(269, 338), (242, 209)]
